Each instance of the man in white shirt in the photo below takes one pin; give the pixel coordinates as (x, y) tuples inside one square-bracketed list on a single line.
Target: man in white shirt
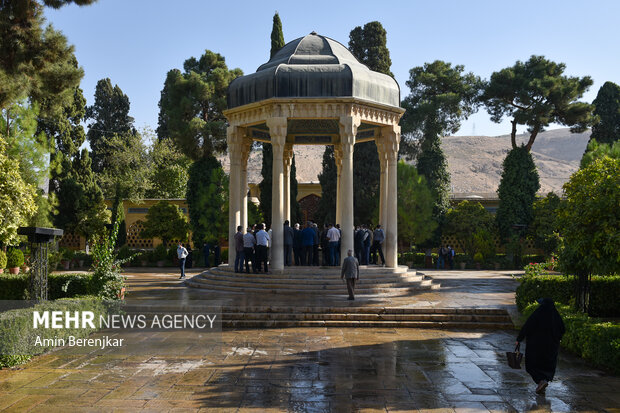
[(333, 235), (182, 254), (262, 242)]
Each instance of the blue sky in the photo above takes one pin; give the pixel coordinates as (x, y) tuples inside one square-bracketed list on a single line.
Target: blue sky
[(136, 42)]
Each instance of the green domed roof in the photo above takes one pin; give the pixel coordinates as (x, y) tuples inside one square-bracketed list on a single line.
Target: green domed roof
[(313, 66)]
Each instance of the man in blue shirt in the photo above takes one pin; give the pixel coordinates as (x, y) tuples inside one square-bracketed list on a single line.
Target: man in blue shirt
[(307, 242)]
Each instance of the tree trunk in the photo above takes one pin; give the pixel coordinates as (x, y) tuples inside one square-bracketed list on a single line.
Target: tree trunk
[(530, 143), (583, 292), (513, 134)]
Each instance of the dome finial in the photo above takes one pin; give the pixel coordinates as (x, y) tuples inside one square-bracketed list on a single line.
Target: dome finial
[(313, 33)]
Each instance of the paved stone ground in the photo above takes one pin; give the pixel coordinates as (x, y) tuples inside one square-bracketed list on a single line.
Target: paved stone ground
[(315, 369)]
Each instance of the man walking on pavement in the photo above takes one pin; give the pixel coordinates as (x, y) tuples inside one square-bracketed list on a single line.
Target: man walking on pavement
[(351, 272)]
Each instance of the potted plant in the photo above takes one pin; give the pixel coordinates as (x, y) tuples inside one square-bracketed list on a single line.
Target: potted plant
[(2, 261), (26, 265), (478, 258), (14, 260), (462, 261)]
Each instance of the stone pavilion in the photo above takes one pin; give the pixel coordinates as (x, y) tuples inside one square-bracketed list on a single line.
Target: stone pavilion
[(313, 92)]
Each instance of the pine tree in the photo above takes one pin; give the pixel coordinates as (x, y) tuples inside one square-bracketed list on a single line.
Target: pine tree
[(36, 63), (191, 105), (441, 97)]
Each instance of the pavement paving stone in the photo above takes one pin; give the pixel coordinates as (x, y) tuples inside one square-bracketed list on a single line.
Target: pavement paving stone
[(322, 369)]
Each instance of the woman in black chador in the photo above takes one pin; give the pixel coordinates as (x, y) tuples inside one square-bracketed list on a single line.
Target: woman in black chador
[(542, 331)]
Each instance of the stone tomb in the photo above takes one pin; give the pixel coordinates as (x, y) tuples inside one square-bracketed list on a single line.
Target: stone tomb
[(313, 92)]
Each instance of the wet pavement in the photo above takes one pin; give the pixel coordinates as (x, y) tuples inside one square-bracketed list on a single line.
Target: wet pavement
[(315, 369)]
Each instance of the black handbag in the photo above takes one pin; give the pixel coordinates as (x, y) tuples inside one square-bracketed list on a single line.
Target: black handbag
[(515, 357)]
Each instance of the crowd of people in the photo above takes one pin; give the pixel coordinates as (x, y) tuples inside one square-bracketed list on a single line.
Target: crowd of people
[(307, 246)]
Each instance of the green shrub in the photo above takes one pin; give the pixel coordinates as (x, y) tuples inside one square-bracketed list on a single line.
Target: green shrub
[(172, 254), (14, 258), (604, 292), (478, 257), (53, 259), (2, 259), (17, 337), (124, 252), (160, 253), (69, 285), (593, 339), (15, 287)]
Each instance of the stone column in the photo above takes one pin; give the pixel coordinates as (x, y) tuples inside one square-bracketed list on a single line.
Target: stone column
[(338, 161), (348, 130), (246, 149), (391, 138), (234, 210), (382, 182), (288, 160), (277, 130)]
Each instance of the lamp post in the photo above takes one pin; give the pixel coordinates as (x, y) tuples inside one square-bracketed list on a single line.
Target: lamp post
[(40, 240)]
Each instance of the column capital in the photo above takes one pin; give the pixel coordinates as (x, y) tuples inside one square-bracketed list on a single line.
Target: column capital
[(277, 130), (348, 129), (390, 136), (246, 148), (288, 155)]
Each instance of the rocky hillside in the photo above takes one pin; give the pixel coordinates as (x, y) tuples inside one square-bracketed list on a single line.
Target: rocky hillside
[(475, 162)]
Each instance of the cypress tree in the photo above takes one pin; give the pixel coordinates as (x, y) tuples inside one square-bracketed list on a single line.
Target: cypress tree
[(517, 193), (607, 108), (326, 211)]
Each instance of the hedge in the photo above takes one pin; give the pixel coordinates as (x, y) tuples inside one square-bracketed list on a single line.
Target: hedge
[(604, 292), (15, 287), (590, 338), (17, 337)]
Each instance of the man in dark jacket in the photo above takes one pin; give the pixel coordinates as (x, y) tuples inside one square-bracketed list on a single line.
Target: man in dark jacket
[(378, 236), (358, 240), (367, 238), (351, 272), (315, 246), (289, 238), (307, 242), (239, 253), (542, 332)]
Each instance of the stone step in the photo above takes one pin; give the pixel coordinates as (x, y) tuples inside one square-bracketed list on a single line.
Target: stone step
[(366, 324), (257, 279), (300, 288), (327, 272), (315, 277)]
